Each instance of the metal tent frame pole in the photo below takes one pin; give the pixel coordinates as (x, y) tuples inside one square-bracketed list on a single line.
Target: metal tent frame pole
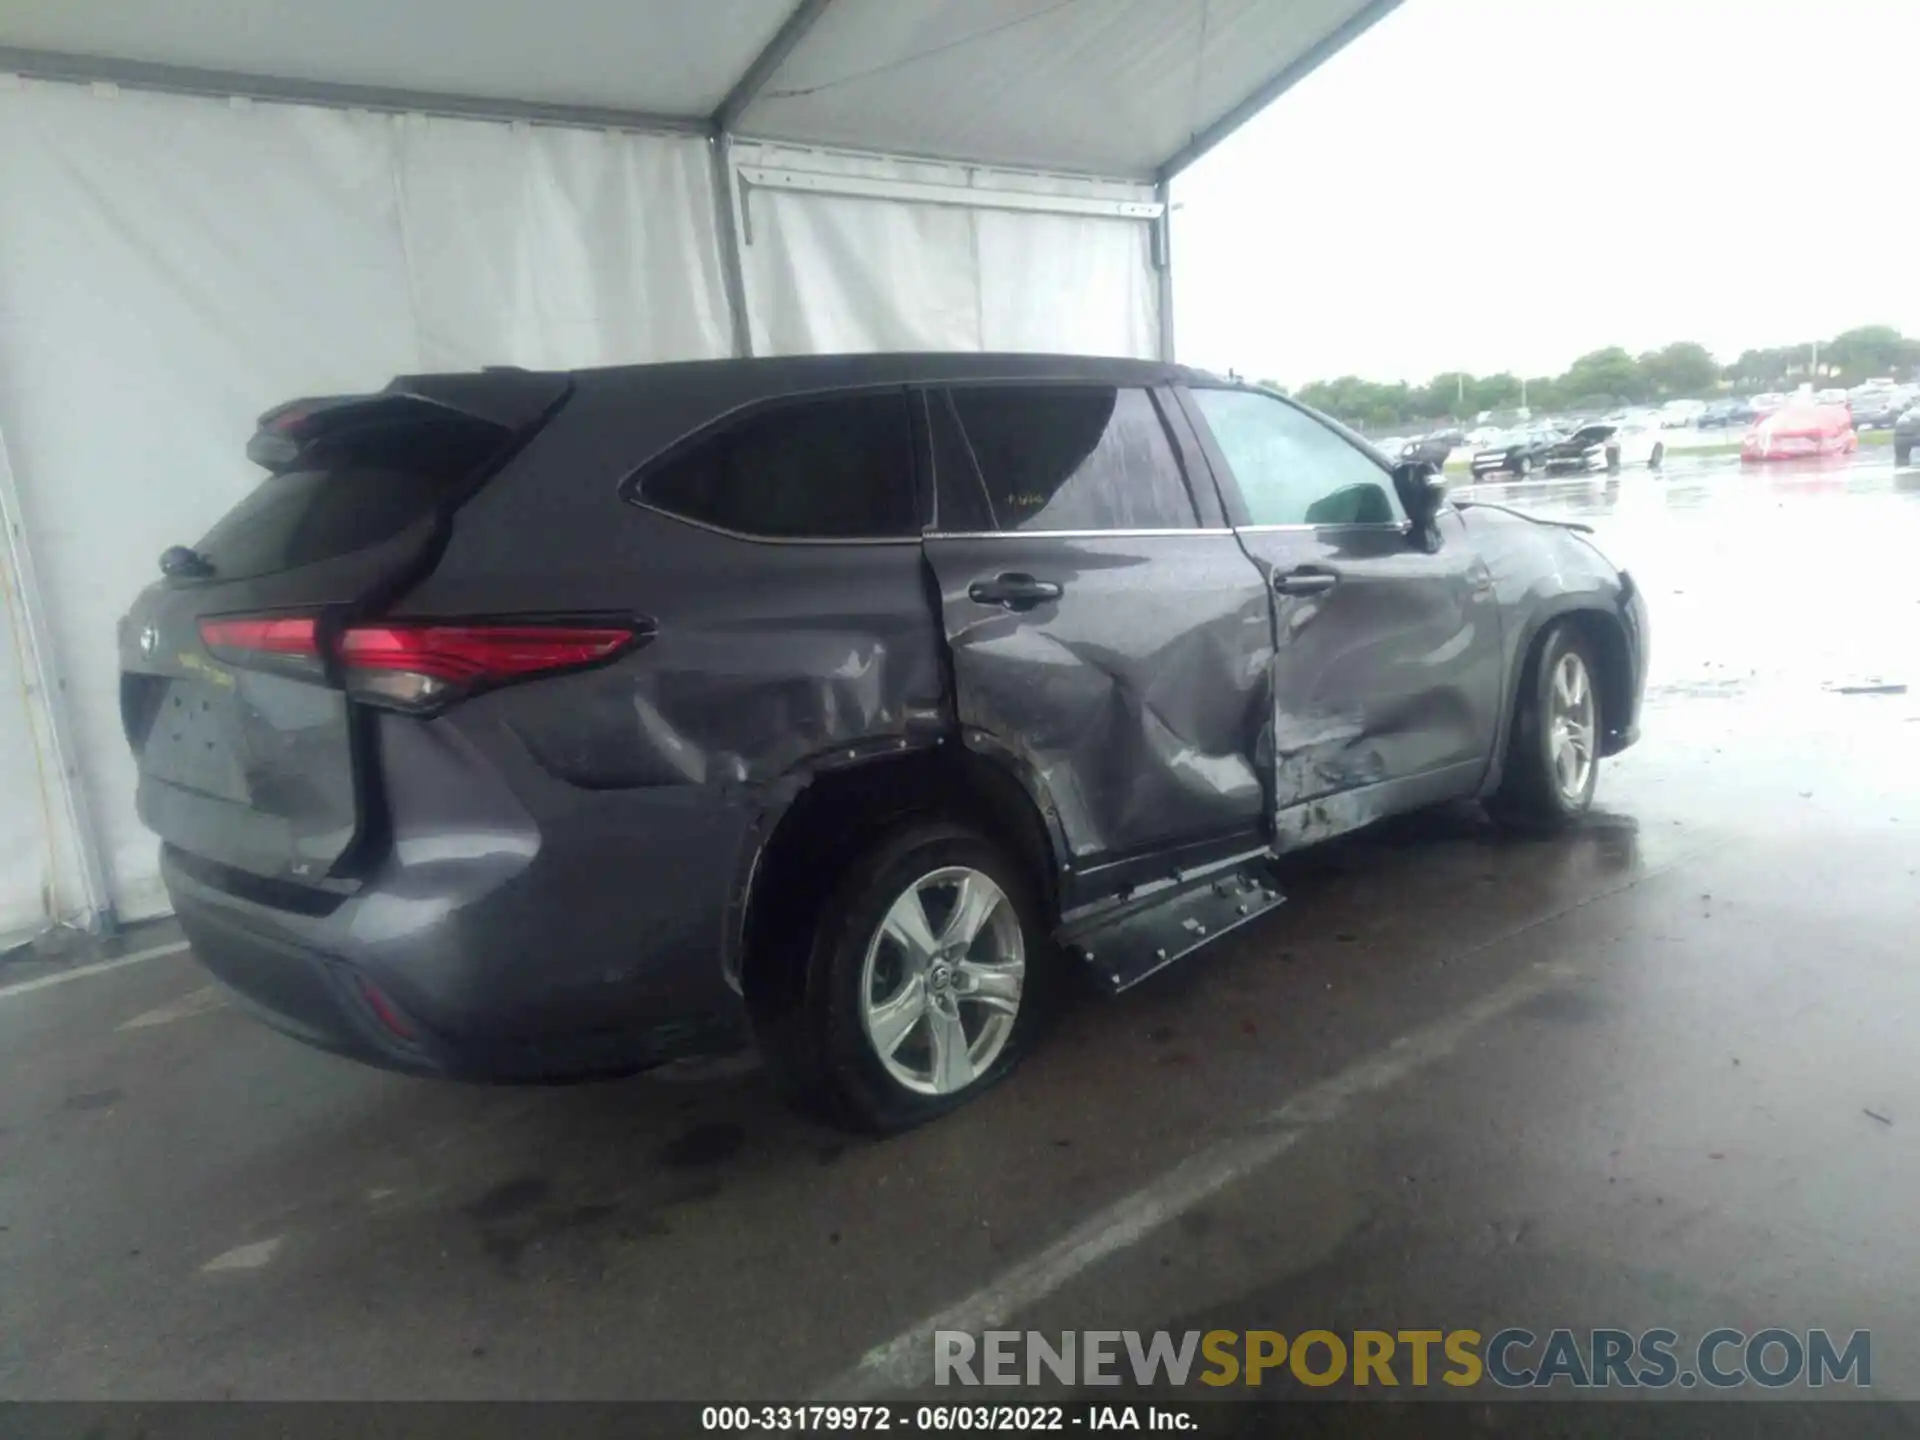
[(1163, 267), (50, 690)]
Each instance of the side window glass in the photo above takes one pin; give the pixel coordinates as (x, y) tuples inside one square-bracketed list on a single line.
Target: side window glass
[(835, 467), (1291, 469), (1056, 457)]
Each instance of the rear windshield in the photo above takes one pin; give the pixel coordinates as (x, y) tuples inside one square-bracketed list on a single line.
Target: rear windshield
[(347, 492)]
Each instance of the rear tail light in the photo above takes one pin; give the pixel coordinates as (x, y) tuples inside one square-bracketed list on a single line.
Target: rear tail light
[(288, 644), (414, 667), (419, 667)]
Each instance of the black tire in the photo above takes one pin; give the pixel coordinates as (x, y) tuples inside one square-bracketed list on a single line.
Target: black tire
[(1613, 460), (1524, 468), (819, 1051), (1658, 458), (1530, 796), (1901, 454)]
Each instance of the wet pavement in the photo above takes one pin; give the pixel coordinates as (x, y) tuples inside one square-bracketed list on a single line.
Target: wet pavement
[(1658, 1071)]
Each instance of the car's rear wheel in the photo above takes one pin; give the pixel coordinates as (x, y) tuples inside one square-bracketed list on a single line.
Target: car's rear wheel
[(1553, 751), (1655, 460), (927, 980), (1901, 453)]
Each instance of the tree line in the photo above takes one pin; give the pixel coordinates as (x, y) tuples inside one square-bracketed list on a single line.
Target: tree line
[(1611, 377)]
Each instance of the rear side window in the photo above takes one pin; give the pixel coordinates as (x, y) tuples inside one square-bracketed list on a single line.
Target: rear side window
[(831, 468), (351, 491), (1066, 457)]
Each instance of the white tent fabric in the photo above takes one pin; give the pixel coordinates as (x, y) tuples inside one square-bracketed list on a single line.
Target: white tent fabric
[(671, 56), (31, 865), (1107, 87), (208, 209), (829, 273), (171, 267), (1097, 87), (542, 246)]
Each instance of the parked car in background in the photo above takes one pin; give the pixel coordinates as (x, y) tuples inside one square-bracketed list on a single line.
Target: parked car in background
[(1681, 414), (1906, 434), (1518, 452), (1608, 446), (1764, 405), (507, 730), (1879, 409), (1433, 449), (1800, 430), (1722, 413), (1504, 420), (1832, 395)]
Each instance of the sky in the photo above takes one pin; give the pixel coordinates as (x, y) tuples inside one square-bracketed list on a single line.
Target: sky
[(1490, 185)]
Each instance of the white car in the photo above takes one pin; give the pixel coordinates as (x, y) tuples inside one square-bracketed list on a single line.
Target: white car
[(1610, 446)]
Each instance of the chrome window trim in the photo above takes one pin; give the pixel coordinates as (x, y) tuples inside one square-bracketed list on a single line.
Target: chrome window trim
[(1403, 527), (1073, 534), (637, 503)]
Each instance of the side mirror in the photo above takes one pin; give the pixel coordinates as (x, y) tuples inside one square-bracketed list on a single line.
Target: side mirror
[(1422, 487)]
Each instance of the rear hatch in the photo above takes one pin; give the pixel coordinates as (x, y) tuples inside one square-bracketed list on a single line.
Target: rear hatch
[(232, 692)]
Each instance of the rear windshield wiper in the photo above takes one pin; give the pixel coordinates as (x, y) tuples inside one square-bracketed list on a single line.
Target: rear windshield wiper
[(183, 562)]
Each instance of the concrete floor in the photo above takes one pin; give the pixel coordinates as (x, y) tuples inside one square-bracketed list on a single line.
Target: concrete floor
[(1658, 1071)]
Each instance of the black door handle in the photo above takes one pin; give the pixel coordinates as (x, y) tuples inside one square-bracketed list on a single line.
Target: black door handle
[(1015, 591), (1305, 582)]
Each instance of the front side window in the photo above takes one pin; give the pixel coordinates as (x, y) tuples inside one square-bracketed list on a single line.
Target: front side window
[(1054, 457), (831, 467), (1291, 469)]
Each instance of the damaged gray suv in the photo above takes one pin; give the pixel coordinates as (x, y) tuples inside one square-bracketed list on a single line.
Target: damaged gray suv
[(537, 726)]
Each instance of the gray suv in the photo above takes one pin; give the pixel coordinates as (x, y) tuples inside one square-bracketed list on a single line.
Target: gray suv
[(533, 726)]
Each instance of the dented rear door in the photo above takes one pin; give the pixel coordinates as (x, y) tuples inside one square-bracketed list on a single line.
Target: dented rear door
[(1109, 638)]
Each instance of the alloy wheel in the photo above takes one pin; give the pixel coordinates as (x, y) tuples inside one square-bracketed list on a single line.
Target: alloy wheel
[(1571, 724), (941, 985)]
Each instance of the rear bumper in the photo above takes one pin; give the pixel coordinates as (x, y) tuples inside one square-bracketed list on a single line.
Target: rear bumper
[(451, 968)]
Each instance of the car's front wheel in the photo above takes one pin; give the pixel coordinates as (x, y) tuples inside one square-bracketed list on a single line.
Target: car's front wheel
[(1658, 458), (1553, 751), (1901, 453), (926, 980), (1524, 468)]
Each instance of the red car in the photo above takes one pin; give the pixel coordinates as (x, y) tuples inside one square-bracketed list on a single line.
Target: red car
[(1799, 430)]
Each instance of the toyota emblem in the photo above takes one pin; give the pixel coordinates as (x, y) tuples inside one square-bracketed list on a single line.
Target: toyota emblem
[(149, 641)]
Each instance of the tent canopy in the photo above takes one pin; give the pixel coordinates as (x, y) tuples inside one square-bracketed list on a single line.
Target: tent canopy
[(1130, 89)]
